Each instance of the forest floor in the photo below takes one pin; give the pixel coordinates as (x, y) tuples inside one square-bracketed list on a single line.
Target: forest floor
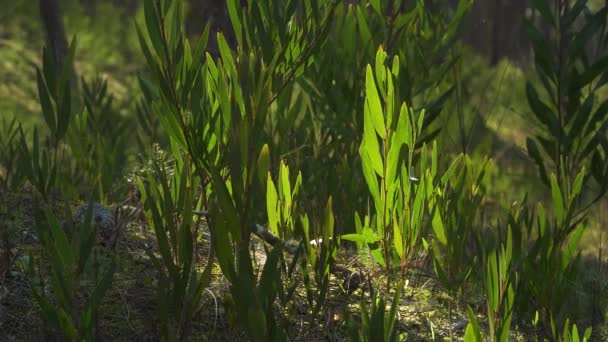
[(129, 311)]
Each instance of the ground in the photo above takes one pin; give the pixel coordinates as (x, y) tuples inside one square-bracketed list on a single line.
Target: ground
[(128, 311)]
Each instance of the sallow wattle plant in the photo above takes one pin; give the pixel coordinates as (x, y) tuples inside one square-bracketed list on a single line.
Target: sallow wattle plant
[(79, 278), (569, 145)]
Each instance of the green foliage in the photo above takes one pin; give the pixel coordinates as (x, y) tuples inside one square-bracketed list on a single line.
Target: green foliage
[(54, 91), (10, 175), (500, 286), (317, 124), (319, 256), (391, 134), (97, 139), (169, 203), (571, 114), (376, 324), (231, 98), (573, 335), (472, 333), (546, 258), (281, 205), (39, 167), (74, 272), (454, 213), (88, 143)]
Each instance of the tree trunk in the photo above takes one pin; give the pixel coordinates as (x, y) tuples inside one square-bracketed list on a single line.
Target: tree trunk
[(497, 41), (51, 15)]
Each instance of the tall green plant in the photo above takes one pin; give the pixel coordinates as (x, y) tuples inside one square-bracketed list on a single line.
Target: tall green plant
[(316, 124), (387, 152), (282, 203), (55, 95), (169, 203), (376, 324), (572, 116), (551, 265), (232, 98), (454, 211), (319, 255), (75, 274), (11, 175), (501, 282), (98, 140)]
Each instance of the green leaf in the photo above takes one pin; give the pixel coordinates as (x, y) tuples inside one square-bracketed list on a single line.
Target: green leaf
[(472, 333), (153, 26), (185, 248), (398, 239), (370, 147), (438, 227), (48, 110), (67, 67), (328, 221), (370, 174), (366, 237), (558, 201), (227, 57), (64, 112), (578, 183), (372, 103), (235, 19), (377, 6), (543, 112), (592, 72), (572, 245), (100, 289), (222, 243), (264, 165), (448, 174), (272, 206), (534, 152), (492, 281), (225, 203), (389, 325), (285, 186)]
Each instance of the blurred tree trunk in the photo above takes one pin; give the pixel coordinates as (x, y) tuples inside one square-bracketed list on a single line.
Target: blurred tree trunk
[(494, 29), (56, 41), (201, 12), (497, 42)]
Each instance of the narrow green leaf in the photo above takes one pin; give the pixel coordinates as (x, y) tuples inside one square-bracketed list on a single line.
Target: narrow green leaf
[(448, 174), (233, 11), (578, 183), (64, 112), (48, 109), (372, 103), (472, 333), (370, 146), (285, 186), (263, 165), (100, 289), (272, 206), (439, 228), (361, 238), (398, 239), (558, 202), (153, 26)]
